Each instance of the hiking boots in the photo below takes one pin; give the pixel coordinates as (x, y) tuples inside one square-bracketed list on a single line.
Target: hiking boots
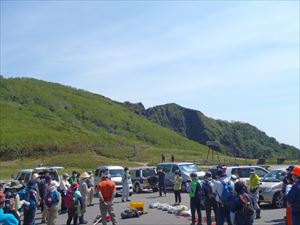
[(258, 214), (82, 221)]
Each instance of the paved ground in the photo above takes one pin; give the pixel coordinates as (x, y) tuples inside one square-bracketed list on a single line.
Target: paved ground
[(157, 217)]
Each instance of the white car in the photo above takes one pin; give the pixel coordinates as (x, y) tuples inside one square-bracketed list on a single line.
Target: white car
[(243, 172), (270, 188), (116, 173)]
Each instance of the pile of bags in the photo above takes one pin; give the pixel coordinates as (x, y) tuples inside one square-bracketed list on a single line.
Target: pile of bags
[(131, 213), (179, 210)]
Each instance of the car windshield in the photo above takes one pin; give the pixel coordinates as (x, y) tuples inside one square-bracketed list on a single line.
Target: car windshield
[(149, 172), (116, 172), (188, 168), (273, 176)]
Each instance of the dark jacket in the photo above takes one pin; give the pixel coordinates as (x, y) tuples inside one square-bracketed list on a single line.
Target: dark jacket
[(237, 206), (161, 176), (293, 197)]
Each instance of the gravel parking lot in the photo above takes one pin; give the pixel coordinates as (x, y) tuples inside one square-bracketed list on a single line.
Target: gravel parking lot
[(269, 215)]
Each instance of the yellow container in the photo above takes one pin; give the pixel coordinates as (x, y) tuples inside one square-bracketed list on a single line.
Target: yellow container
[(137, 205)]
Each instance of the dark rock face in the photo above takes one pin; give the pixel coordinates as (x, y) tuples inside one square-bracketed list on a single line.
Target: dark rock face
[(233, 138)]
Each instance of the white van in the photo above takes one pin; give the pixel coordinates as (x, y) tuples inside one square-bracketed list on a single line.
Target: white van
[(25, 175), (116, 173)]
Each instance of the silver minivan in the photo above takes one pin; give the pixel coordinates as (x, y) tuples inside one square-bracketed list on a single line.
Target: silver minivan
[(185, 169)]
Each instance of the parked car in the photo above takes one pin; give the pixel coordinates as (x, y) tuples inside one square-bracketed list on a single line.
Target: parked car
[(243, 172), (116, 173), (185, 168), (25, 175), (270, 188), (144, 178)]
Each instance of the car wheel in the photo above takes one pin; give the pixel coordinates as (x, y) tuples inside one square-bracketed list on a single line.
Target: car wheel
[(278, 200), (155, 189), (137, 188)]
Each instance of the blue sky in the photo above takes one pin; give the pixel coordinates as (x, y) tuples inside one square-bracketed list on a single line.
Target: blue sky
[(231, 60)]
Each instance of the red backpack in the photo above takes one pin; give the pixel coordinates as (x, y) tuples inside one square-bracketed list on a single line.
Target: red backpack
[(69, 199)]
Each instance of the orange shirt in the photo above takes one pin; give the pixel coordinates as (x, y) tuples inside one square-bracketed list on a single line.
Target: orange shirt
[(106, 187)]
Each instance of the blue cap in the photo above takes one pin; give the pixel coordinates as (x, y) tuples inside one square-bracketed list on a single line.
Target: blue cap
[(290, 168)]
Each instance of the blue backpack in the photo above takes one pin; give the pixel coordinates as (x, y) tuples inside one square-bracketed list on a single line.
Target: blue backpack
[(227, 193), (27, 194)]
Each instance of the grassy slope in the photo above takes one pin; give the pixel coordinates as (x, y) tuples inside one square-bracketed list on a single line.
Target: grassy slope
[(40, 118)]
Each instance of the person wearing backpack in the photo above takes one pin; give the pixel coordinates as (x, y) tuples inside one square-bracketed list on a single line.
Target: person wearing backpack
[(293, 196), (6, 218), (51, 201), (84, 191), (44, 184), (196, 195), (73, 201), (254, 191), (63, 188), (223, 190), (242, 205), (31, 196), (210, 201), (12, 202)]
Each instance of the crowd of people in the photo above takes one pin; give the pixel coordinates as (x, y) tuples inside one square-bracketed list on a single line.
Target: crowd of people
[(75, 192), (231, 200)]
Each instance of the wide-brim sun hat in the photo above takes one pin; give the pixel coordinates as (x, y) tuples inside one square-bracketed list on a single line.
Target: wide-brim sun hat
[(84, 175), (14, 184)]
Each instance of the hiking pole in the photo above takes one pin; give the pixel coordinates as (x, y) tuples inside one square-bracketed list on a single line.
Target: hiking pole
[(100, 218)]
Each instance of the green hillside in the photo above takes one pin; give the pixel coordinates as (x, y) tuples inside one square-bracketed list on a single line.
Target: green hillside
[(41, 118), (234, 138)]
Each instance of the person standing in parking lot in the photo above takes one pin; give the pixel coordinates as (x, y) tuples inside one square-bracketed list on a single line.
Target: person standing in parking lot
[(126, 180), (107, 192), (223, 190), (195, 199), (161, 181), (293, 197), (210, 201), (177, 187), (254, 191)]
